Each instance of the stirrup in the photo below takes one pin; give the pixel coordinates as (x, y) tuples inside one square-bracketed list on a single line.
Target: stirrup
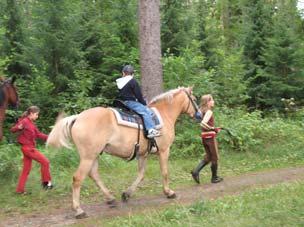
[(152, 146)]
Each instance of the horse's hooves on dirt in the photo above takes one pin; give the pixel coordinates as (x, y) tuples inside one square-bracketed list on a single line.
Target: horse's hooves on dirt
[(173, 196), (112, 203), (125, 197), (82, 215)]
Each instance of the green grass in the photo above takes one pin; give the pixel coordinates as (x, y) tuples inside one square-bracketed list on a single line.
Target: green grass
[(280, 205)]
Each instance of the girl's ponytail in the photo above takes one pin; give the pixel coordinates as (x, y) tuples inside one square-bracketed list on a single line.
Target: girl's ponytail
[(31, 109)]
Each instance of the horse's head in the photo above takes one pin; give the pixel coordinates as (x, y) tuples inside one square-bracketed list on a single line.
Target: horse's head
[(184, 101), (191, 108), (9, 92)]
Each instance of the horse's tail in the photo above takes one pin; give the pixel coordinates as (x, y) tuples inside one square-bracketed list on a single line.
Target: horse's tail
[(60, 136)]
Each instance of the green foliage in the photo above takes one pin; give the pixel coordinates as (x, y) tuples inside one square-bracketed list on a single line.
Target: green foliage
[(249, 132), (13, 40), (76, 98), (188, 70), (274, 46), (283, 56), (9, 164), (210, 44), (177, 25), (38, 91), (230, 71), (3, 62)]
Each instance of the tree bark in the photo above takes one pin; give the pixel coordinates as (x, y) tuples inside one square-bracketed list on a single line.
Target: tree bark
[(150, 48)]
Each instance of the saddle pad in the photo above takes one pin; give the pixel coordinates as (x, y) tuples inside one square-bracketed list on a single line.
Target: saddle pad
[(131, 120)]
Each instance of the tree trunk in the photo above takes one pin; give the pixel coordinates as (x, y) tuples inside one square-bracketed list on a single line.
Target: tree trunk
[(150, 48)]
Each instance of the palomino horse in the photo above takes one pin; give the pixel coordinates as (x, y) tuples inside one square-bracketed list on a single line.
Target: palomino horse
[(8, 96), (96, 130)]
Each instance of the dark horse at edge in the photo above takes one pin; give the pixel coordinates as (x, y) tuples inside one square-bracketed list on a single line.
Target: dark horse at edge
[(8, 96)]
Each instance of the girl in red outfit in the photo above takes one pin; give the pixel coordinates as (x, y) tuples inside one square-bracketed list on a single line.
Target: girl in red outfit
[(28, 133), (209, 140)]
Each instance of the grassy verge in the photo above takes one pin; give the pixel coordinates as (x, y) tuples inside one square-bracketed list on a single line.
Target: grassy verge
[(280, 205)]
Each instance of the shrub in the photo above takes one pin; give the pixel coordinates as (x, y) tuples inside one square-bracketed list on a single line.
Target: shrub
[(10, 161)]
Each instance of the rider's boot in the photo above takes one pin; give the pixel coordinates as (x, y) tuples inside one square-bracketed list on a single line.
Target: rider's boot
[(195, 172), (215, 178)]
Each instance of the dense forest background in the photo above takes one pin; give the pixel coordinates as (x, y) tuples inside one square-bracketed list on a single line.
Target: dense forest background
[(67, 54)]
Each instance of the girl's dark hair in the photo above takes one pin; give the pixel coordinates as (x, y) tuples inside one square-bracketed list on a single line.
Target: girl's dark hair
[(31, 109)]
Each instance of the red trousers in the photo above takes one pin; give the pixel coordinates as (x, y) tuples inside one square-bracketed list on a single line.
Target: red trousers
[(30, 153)]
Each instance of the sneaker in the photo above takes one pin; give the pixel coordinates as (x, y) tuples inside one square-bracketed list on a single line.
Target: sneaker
[(47, 185), (153, 133)]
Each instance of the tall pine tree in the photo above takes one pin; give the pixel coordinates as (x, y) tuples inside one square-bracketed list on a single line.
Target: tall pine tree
[(14, 39), (257, 26), (283, 57)]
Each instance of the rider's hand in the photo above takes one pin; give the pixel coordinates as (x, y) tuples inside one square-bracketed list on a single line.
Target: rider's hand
[(20, 126)]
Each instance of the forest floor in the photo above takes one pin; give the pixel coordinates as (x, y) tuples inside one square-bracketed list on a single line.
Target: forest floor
[(185, 196)]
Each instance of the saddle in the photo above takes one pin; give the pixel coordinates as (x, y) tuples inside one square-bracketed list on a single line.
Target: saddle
[(130, 118), (127, 117)]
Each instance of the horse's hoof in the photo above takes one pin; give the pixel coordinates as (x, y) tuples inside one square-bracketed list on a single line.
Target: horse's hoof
[(112, 203), (125, 197), (81, 215), (173, 196)]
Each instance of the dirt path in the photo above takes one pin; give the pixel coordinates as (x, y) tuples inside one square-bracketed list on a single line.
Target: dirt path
[(231, 185)]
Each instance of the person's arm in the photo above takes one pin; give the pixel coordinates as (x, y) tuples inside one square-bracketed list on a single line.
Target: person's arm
[(206, 118), (137, 93), (18, 126), (41, 135)]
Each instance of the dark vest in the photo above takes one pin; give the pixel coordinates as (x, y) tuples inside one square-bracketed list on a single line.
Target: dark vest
[(211, 122)]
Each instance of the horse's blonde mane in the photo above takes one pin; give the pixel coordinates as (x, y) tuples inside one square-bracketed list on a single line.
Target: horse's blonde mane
[(167, 95)]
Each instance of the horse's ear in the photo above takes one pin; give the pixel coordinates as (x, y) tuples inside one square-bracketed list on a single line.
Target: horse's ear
[(13, 79), (190, 89)]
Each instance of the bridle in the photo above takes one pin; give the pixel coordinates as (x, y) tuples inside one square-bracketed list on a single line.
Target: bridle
[(191, 101)]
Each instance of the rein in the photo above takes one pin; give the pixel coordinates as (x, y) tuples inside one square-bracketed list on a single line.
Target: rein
[(195, 106)]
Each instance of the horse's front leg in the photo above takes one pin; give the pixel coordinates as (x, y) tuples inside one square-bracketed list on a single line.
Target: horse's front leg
[(163, 161), (142, 161)]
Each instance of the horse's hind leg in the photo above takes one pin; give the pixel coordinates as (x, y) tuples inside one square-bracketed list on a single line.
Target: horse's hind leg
[(163, 161), (83, 169), (140, 176), (94, 174)]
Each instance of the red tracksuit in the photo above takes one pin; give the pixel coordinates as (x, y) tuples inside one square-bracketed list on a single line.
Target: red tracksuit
[(27, 138)]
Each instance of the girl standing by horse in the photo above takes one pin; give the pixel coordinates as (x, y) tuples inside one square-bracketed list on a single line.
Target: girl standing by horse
[(209, 140), (28, 133)]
